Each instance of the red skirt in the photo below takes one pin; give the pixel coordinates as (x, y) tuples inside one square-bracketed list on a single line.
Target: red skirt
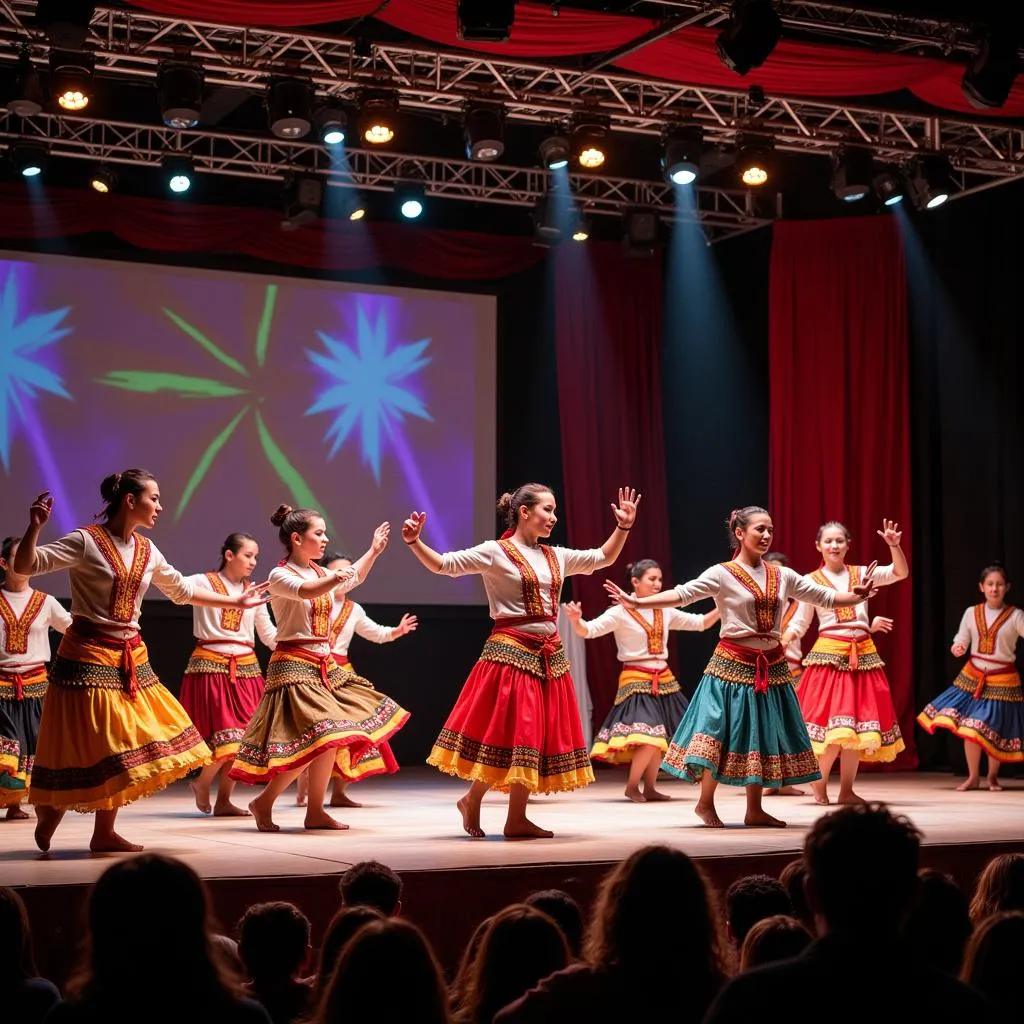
[(220, 706), (516, 721)]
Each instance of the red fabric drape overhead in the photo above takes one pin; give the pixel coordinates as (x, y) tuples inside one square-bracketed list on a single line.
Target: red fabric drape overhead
[(167, 226), (268, 13), (839, 444), (608, 340)]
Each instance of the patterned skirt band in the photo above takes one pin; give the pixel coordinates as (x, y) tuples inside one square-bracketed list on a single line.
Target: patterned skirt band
[(84, 633), (206, 661), (541, 655), (749, 665), (298, 650), (30, 682), (850, 654), (1004, 677), (634, 679)]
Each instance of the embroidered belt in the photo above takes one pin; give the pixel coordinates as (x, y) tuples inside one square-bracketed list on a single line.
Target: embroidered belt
[(762, 660), (86, 629), (641, 673), (341, 660), (851, 647), (541, 656), (231, 660), (297, 649), (990, 677), (32, 679)]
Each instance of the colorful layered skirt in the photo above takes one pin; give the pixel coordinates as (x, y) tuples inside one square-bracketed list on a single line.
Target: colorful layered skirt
[(379, 759), (744, 723), (21, 706), (986, 708), (311, 705), (516, 721), (649, 705), (110, 732), (845, 699), (220, 692)]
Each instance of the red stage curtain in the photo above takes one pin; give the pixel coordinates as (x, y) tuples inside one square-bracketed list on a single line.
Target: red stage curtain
[(839, 441), (269, 13), (167, 226), (608, 340)]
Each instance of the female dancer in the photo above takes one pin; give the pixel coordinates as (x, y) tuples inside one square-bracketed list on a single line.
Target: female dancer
[(222, 683), (516, 726), (26, 618), (844, 694), (985, 704), (649, 704), (743, 726), (310, 713), (110, 732)]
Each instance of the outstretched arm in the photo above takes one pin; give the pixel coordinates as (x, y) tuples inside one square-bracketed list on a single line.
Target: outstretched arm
[(364, 563), (25, 557), (625, 517), (892, 535), (411, 530)]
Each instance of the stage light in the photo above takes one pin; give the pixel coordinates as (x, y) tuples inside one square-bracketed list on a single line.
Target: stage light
[(547, 230), (754, 160), (485, 21), (889, 186), (588, 140), (103, 180), (332, 124), (290, 107), (555, 152), (179, 90), (29, 159), (484, 130), (351, 205), (378, 119), (411, 200), (28, 91), (303, 201), (853, 170), (71, 79), (581, 228), (178, 173), (753, 31), (931, 181), (989, 77), (357, 212), (641, 231), (680, 161)]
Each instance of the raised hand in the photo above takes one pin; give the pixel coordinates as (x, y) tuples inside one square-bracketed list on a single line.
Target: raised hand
[(413, 527), (407, 624), (380, 538), (890, 533), (40, 509), (618, 595), (866, 588), (958, 650), (881, 624), (254, 595), (625, 510), (573, 611)]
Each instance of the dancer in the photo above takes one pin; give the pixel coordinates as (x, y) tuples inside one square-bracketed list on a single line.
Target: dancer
[(310, 712), (26, 618), (843, 693), (516, 726), (743, 726), (649, 704), (985, 704), (223, 683), (110, 733)]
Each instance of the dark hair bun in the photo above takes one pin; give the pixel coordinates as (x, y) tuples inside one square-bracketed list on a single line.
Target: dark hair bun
[(109, 487), (505, 502), (279, 516)]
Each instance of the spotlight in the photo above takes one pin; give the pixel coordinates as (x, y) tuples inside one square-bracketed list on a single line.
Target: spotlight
[(71, 79), (28, 95), (555, 152), (988, 78), (641, 229), (178, 173), (853, 170), (581, 228), (681, 159), (378, 119), (332, 123), (179, 90), (889, 186), (588, 140), (411, 200), (358, 212), (484, 130), (29, 159), (351, 205), (103, 180), (754, 160), (485, 21), (303, 200), (931, 181), (547, 231), (66, 22), (290, 107), (753, 31)]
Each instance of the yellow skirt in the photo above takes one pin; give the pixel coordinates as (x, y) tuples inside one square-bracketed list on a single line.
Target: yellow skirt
[(100, 747)]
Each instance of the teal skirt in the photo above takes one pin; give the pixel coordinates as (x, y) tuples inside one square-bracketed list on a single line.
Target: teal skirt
[(744, 735)]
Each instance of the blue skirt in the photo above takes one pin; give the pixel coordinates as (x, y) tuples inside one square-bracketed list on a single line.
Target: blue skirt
[(742, 736)]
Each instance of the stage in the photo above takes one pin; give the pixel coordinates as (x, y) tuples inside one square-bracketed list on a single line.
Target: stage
[(409, 821)]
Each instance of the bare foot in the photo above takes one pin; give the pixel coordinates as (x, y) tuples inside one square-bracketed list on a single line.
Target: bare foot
[(202, 794), (760, 819), (264, 822), (322, 821), (968, 784), (470, 818), (47, 820), (820, 791), (343, 800), (850, 798), (111, 842), (526, 829), (229, 810), (786, 791), (633, 793), (708, 814), (15, 813), (651, 795), (994, 787)]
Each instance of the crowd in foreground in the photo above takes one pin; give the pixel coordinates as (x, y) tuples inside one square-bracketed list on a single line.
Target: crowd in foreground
[(852, 927)]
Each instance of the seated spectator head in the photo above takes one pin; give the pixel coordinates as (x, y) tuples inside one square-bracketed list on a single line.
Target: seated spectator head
[(372, 884), (794, 879), (862, 856), (389, 948), (345, 923), (273, 942), (457, 989), (992, 962), (17, 960), (565, 911), (940, 923), (1000, 887), (752, 898), (521, 946), (772, 939)]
